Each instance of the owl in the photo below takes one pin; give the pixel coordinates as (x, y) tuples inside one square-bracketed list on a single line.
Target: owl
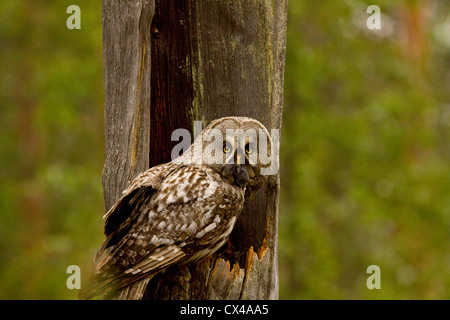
[(182, 211)]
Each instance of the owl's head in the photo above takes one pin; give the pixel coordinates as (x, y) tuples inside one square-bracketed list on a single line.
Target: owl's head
[(238, 148)]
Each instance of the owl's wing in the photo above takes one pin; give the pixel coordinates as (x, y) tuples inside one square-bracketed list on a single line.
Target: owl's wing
[(186, 213), (125, 211)]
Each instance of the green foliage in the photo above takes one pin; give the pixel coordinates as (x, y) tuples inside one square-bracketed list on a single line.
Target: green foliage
[(51, 146), (365, 175)]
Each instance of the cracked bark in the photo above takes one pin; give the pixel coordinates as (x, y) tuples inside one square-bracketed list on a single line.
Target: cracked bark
[(208, 59)]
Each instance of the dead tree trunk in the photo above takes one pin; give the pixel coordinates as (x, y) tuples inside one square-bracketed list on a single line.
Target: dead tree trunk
[(168, 63)]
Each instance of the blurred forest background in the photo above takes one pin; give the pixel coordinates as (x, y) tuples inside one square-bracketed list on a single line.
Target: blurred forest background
[(365, 149)]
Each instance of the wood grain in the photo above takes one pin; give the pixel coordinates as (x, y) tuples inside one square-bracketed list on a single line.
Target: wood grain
[(126, 60)]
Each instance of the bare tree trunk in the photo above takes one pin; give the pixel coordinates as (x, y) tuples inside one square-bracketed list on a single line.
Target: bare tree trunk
[(209, 59), (126, 60)]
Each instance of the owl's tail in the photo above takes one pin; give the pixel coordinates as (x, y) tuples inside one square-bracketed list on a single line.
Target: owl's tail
[(134, 291), (116, 289)]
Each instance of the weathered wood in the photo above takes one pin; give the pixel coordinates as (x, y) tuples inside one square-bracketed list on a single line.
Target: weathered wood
[(171, 78), (209, 59), (126, 60), (236, 64)]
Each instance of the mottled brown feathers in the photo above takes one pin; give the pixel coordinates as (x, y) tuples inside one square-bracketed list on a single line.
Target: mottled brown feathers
[(174, 213)]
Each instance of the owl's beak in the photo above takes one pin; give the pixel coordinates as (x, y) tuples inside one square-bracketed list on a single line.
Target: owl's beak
[(239, 158), (242, 160)]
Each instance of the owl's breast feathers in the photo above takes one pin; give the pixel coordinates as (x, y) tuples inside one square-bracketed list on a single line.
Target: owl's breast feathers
[(170, 214)]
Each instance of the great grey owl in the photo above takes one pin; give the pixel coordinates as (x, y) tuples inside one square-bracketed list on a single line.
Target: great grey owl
[(181, 211)]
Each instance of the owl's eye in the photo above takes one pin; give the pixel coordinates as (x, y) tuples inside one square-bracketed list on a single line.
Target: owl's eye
[(227, 148), (248, 148)]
